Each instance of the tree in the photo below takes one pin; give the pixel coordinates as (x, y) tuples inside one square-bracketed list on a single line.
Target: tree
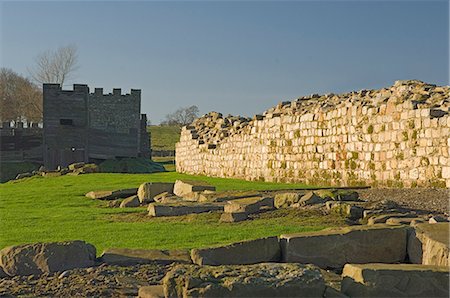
[(182, 116), (20, 98), (55, 66)]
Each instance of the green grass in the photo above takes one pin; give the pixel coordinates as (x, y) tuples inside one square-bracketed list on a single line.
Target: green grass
[(164, 137), (168, 162), (55, 209)]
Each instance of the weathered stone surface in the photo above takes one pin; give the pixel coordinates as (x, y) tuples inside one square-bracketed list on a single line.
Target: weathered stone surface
[(177, 209), (260, 280), (377, 219), (248, 205), (436, 219), (151, 292), (186, 188), (160, 197), (76, 165), (311, 199), (233, 217), (287, 199), (338, 195), (239, 253), (395, 280), (147, 191), (37, 258), (222, 196), (129, 257), (334, 248), (401, 220), (132, 201), (349, 210), (428, 244), (112, 194)]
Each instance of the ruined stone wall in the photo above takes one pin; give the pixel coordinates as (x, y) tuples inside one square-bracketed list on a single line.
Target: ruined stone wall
[(396, 137)]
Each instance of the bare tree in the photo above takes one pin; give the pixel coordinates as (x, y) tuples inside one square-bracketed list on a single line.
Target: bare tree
[(55, 66), (182, 116), (20, 98)]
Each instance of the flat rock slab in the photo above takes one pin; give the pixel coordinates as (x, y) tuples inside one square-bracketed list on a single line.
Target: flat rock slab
[(149, 190), (239, 253), (186, 187), (177, 209), (233, 217), (428, 244), (249, 205), (224, 196), (395, 280), (260, 280), (37, 258), (151, 292), (129, 257), (112, 194), (334, 248), (382, 218)]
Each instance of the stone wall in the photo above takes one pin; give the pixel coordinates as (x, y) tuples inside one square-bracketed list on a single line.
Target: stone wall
[(396, 137)]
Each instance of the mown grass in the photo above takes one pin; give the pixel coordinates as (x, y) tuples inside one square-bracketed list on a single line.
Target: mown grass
[(164, 137), (55, 209)]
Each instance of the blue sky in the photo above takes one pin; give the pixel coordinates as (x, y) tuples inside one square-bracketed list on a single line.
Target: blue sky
[(233, 57)]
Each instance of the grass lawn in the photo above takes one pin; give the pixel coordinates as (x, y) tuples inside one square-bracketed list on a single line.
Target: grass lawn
[(55, 209)]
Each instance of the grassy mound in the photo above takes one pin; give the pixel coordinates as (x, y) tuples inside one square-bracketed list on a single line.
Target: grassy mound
[(131, 165)]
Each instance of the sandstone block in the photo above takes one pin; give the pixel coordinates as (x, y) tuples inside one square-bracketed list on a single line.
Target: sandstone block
[(246, 252), (111, 194), (311, 199), (377, 219), (233, 217), (177, 209), (248, 205), (428, 244), (284, 200), (132, 201), (151, 292), (335, 247), (185, 187), (147, 191), (402, 220), (395, 280), (37, 258), (260, 280), (130, 257)]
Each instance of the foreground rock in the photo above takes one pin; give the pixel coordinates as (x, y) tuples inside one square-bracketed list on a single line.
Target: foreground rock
[(148, 191), (111, 194), (156, 291), (188, 189), (395, 280), (248, 205), (132, 201), (246, 252), (128, 257), (37, 258), (261, 280), (335, 248), (428, 244), (177, 209)]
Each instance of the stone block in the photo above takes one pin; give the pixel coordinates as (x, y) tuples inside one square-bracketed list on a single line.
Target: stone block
[(334, 248), (311, 199), (37, 258), (287, 199), (185, 188), (111, 194), (177, 209), (382, 218), (260, 280), (130, 257), (428, 244), (239, 253), (132, 201), (156, 291), (147, 191), (248, 205), (395, 280), (233, 217)]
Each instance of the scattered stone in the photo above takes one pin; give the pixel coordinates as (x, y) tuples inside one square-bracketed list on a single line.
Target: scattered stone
[(239, 253), (350, 211), (114, 203), (24, 175), (287, 199), (436, 219), (38, 258), (148, 191), (248, 205), (223, 196), (233, 216), (177, 209), (380, 219), (260, 280), (132, 201), (161, 197), (402, 220), (311, 199), (184, 188), (76, 165), (395, 280), (428, 244), (151, 292), (335, 247), (112, 194), (130, 257)]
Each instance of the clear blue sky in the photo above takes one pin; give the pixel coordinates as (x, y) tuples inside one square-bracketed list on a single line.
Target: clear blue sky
[(234, 57)]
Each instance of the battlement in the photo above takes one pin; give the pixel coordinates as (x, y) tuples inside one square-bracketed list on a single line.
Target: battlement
[(117, 92)]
